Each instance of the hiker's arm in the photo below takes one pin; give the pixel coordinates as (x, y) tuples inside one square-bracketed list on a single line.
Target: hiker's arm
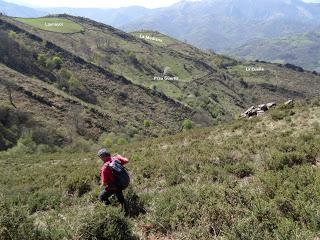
[(103, 181), (123, 160), (102, 185)]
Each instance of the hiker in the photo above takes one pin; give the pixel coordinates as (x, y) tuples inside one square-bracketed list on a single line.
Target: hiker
[(114, 177)]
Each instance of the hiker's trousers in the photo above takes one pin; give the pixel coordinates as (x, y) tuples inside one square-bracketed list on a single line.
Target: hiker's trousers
[(108, 192)]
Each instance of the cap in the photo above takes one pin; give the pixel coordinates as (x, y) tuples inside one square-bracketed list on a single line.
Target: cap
[(103, 152)]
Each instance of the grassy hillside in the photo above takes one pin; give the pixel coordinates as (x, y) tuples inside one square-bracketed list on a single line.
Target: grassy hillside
[(249, 179), (52, 24), (200, 80), (64, 92), (302, 50)]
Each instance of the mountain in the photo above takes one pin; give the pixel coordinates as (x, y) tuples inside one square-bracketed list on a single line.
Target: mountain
[(215, 85), (210, 24), (16, 10), (112, 16), (135, 85), (301, 49), (219, 25), (64, 92)]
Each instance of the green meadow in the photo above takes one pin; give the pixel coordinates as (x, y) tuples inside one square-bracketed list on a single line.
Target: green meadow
[(60, 25)]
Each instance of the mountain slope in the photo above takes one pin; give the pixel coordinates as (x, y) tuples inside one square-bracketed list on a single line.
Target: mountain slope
[(249, 179), (16, 10), (55, 86), (212, 84), (302, 50), (133, 58)]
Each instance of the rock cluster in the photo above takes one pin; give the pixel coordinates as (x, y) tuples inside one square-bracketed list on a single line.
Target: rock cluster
[(257, 111), (261, 109)]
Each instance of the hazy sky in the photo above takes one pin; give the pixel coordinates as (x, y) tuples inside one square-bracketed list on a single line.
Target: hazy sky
[(101, 3)]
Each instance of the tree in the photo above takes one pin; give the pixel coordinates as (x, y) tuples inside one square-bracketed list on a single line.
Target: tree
[(42, 59), (187, 124), (147, 123), (57, 61), (9, 86)]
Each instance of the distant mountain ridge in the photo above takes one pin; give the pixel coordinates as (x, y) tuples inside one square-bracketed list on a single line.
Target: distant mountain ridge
[(219, 25), (300, 49), (16, 10), (112, 16), (209, 24)]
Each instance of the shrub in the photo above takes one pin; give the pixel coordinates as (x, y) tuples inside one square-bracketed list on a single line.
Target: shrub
[(42, 148), (50, 64), (132, 57), (279, 159), (187, 124), (78, 186), (242, 170), (282, 112), (25, 145), (42, 59), (15, 224), (302, 150), (57, 61), (108, 142), (81, 145), (42, 201), (147, 123), (134, 204), (105, 224), (73, 83), (65, 74), (173, 175), (12, 34), (315, 102), (54, 62), (122, 141), (153, 87), (130, 131)]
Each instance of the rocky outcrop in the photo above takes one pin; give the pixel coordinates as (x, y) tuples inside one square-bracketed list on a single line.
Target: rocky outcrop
[(262, 108), (257, 111), (289, 102)]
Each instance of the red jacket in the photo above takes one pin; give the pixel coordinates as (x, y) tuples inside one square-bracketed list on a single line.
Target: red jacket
[(106, 175)]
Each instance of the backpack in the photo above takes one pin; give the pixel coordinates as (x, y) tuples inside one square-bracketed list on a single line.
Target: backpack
[(120, 173)]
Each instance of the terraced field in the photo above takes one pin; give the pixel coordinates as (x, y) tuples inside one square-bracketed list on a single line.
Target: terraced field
[(60, 25)]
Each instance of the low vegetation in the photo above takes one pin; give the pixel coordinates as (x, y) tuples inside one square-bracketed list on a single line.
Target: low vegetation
[(248, 179)]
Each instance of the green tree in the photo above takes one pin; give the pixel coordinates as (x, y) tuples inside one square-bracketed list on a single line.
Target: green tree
[(12, 34), (50, 64), (42, 59), (73, 83), (65, 74), (187, 124), (147, 123), (57, 61)]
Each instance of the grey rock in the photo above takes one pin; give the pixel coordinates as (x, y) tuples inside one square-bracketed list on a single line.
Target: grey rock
[(260, 112), (271, 104), (249, 110), (289, 102), (263, 107)]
